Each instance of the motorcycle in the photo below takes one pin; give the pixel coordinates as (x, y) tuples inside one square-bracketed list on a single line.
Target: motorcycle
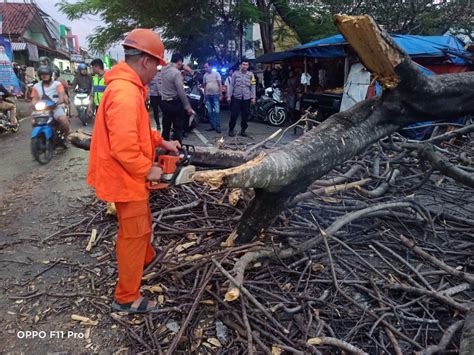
[(81, 102), (270, 107), (195, 96), (46, 135), (5, 125)]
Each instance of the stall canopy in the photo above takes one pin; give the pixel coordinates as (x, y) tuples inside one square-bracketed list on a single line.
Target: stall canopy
[(276, 57), (415, 46)]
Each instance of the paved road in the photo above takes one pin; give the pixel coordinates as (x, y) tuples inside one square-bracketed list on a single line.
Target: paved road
[(16, 158)]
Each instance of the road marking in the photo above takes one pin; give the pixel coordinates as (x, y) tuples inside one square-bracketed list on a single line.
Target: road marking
[(24, 118), (201, 137)]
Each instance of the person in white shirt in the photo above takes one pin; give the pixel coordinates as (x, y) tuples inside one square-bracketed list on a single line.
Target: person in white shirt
[(213, 93)]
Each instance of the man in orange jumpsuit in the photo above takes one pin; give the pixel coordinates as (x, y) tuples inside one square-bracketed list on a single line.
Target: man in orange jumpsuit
[(122, 161)]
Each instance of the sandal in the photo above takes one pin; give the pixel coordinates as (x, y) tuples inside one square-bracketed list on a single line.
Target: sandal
[(139, 306)]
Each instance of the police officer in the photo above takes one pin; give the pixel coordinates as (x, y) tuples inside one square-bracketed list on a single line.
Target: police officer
[(174, 102), (240, 94)]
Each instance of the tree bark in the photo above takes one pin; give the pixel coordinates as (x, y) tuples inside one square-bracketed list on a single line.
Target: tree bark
[(409, 96), (266, 26)]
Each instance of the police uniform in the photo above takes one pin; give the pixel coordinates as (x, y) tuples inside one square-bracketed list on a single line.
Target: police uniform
[(241, 90), (174, 102)]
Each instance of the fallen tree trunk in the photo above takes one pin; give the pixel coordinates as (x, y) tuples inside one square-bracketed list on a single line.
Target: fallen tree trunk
[(203, 156), (409, 96), (80, 139)]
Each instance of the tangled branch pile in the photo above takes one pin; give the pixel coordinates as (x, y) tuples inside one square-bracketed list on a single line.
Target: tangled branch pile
[(377, 258)]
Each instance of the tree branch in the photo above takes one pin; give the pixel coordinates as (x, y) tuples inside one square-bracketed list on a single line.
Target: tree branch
[(438, 161)]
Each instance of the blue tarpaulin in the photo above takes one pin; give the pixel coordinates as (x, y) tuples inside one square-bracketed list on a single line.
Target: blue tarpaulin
[(415, 46), (333, 40)]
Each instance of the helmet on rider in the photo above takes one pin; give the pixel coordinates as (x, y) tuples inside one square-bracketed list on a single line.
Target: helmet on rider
[(82, 68), (44, 70), (142, 40)]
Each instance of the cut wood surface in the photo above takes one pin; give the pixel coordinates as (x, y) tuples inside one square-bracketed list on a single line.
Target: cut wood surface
[(377, 51)]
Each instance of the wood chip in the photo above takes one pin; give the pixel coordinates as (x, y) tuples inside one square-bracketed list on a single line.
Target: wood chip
[(84, 320), (91, 240)]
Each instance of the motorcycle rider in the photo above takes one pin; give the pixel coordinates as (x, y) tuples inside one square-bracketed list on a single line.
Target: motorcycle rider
[(8, 106), (48, 89), (82, 80)]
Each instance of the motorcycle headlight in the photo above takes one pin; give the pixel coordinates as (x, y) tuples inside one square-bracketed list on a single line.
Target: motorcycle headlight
[(77, 101), (87, 100), (40, 106)]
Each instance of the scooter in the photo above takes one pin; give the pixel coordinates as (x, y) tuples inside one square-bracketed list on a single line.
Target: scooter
[(270, 107), (46, 135), (82, 101), (5, 125)]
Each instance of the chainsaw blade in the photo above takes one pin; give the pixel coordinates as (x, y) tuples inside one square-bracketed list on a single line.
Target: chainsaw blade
[(185, 175)]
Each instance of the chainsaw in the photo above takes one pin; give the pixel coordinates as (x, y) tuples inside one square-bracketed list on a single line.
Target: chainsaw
[(177, 168)]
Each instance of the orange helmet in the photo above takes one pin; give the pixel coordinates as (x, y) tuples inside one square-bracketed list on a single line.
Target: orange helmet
[(147, 41)]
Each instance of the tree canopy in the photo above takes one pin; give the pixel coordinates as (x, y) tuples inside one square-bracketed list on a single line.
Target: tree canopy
[(203, 28), (417, 17)]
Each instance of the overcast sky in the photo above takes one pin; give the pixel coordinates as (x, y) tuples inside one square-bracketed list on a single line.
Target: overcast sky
[(81, 28)]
